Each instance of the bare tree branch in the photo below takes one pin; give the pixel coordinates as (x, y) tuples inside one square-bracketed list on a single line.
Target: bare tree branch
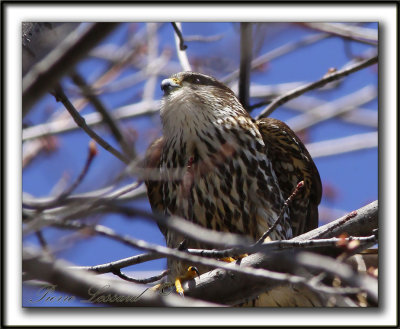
[(95, 290), (80, 121), (356, 115), (92, 119), (280, 51), (213, 285), (125, 277), (43, 76), (317, 84), (330, 110), (122, 263), (343, 145), (106, 117)]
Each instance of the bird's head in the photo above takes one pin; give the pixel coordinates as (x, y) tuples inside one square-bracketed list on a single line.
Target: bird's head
[(196, 100)]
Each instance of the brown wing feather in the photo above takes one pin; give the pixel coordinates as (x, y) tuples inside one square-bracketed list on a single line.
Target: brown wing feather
[(292, 163), (152, 179)]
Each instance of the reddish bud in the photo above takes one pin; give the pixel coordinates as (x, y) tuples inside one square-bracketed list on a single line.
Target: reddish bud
[(342, 240), (353, 244), (93, 148), (352, 214)]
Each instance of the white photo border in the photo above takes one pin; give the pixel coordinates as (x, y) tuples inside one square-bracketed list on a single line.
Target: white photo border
[(385, 14)]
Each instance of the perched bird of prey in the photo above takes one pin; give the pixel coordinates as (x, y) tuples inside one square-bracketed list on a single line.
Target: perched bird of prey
[(223, 170)]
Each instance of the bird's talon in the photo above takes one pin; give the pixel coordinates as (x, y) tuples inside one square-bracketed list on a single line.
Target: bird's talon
[(233, 259), (191, 273), (228, 259)]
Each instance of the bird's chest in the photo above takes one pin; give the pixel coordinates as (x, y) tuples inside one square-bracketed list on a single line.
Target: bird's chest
[(225, 185)]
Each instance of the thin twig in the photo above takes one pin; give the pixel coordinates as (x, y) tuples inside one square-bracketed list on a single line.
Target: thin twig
[(106, 194), (351, 32), (180, 48), (202, 38), (343, 271), (317, 84), (106, 117), (42, 240), (80, 121), (276, 53), (285, 206), (121, 263), (178, 32), (92, 152), (246, 47), (125, 277), (332, 109), (357, 115), (92, 119), (343, 145)]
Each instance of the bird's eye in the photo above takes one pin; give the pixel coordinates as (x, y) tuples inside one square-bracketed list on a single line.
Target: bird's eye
[(197, 80)]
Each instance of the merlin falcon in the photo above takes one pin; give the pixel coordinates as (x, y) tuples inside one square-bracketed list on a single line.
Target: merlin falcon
[(219, 168)]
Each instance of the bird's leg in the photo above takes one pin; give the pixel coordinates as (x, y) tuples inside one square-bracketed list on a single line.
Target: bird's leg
[(191, 273)]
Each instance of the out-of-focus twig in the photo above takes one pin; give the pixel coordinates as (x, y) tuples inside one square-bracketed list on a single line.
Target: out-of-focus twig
[(246, 50), (106, 194), (343, 145), (107, 118), (358, 115), (152, 55), (93, 289), (203, 38), (275, 245), (168, 252), (343, 271), (92, 119), (332, 109), (352, 32), (280, 51), (316, 84), (45, 74)]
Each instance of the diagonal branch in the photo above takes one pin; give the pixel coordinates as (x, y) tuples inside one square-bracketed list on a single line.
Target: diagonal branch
[(317, 84), (45, 74), (107, 118), (93, 289), (80, 121)]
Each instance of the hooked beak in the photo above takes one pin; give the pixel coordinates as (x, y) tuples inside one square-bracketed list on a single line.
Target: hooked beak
[(167, 85)]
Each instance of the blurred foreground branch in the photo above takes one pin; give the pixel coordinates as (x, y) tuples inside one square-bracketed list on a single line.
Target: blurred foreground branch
[(43, 76), (317, 84)]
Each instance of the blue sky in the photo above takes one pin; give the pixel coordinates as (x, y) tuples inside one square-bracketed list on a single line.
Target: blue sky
[(350, 180)]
